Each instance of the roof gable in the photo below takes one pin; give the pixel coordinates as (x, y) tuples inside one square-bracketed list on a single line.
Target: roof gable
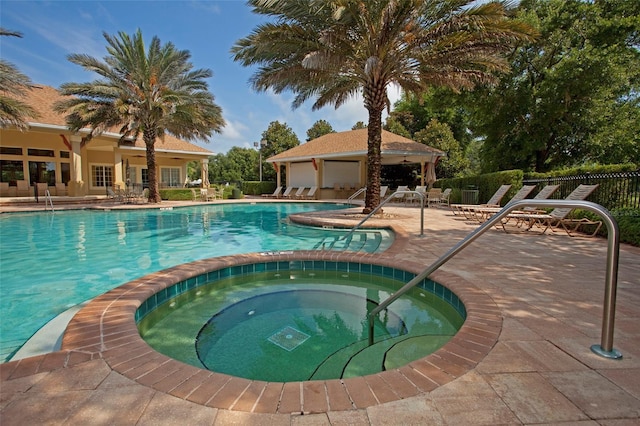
[(43, 98), (353, 142)]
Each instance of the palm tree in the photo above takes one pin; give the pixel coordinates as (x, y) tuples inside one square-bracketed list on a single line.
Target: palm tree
[(152, 93), (332, 50), (13, 83)]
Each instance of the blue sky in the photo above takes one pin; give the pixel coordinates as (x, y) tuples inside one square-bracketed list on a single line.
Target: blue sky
[(51, 30)]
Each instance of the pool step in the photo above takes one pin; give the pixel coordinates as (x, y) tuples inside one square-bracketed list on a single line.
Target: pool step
[(361, 241), (360, 359)]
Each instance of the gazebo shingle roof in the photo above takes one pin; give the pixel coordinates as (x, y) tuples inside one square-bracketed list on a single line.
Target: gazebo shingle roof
[(353, 142), (42, 99)]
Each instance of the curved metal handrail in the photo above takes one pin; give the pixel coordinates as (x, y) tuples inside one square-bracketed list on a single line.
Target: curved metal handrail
[(605, 349), (354, 195)]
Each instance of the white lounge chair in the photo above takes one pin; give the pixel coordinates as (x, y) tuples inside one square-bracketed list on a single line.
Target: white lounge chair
[(287, 192), (482, 213), (494, 201), (311, 195), (400, 198), (299, 192), (558, 217), (276, 193)]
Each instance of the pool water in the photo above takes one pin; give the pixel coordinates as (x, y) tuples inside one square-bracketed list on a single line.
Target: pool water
[(299, 325), (51, 262)]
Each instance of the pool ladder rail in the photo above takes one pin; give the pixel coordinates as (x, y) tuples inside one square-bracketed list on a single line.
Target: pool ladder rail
[(385, 201), (605, 348), (47, 201)]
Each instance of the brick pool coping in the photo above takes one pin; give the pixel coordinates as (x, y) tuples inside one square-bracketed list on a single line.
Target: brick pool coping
[(106, 329)]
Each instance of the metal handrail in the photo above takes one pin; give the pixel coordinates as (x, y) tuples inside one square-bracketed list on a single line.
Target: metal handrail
[(605, 349), (374, 211), (47, 200), (354, 195)]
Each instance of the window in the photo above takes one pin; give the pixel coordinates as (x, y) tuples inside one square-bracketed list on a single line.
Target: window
[(11, 171), (7, 150), (66, 172), (145, 177), (170, 176), (65, 154), (41, 152), (101, 176), (43, 172)]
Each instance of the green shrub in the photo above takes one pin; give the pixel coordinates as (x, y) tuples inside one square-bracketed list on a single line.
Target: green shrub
[(177, 194), (258, 188), (583, 170)]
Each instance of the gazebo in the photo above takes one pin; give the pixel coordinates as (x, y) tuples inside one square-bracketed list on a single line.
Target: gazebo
[(340, 159)]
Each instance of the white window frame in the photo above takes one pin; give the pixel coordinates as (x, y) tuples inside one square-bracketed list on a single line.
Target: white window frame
[(105, 178), (172, 171)]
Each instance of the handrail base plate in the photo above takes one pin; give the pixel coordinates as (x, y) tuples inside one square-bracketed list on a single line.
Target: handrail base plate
[(612, 354)]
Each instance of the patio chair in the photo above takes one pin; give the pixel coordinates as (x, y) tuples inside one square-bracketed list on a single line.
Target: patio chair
[(141, 197), (207, 195), (544, 193), (4, 189), (444, 197), (400, 198), (42, 188), (287, 192), (557, 218), (383, 191), (411, 198), (311, 195), (299, 192), (61, 189), (494, 201), (276, 193), (482, 213), (115, 196), (22, 188), (433, 196)]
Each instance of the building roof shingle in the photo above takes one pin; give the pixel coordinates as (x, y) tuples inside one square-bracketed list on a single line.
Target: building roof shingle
[(42, 99), (354, 143)]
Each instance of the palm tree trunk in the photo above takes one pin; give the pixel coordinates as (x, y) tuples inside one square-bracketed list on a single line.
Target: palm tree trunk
[(149, 137), (375, 98)]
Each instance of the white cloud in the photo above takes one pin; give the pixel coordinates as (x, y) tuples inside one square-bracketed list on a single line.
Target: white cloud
[(233, 130)]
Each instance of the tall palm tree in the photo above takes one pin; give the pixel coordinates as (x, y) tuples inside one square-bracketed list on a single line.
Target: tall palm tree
[(152, 93), (332, 50), (13, 85)]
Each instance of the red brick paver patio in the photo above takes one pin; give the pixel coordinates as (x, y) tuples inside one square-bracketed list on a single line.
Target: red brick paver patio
[(522, 357)]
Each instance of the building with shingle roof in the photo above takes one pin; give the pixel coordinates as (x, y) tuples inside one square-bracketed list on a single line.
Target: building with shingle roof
[(336, 161), (50, 153)]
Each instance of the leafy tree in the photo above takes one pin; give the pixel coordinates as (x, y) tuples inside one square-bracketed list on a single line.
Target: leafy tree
[(573, 95), (194, 170), (395, 126), (331, 50), (359, 125), (150, 92), (439, 135), (319, 128), (239, 164), (13, 112), (442, 104), (279, 137)]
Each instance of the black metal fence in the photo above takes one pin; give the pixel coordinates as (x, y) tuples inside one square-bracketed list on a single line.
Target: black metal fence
[(615, 190)]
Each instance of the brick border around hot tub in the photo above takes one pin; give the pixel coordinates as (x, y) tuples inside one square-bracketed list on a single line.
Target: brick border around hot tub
[(106, 328)]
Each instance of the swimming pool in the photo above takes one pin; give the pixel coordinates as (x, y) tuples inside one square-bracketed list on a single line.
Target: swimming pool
[(298, 321), (50, 262)]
